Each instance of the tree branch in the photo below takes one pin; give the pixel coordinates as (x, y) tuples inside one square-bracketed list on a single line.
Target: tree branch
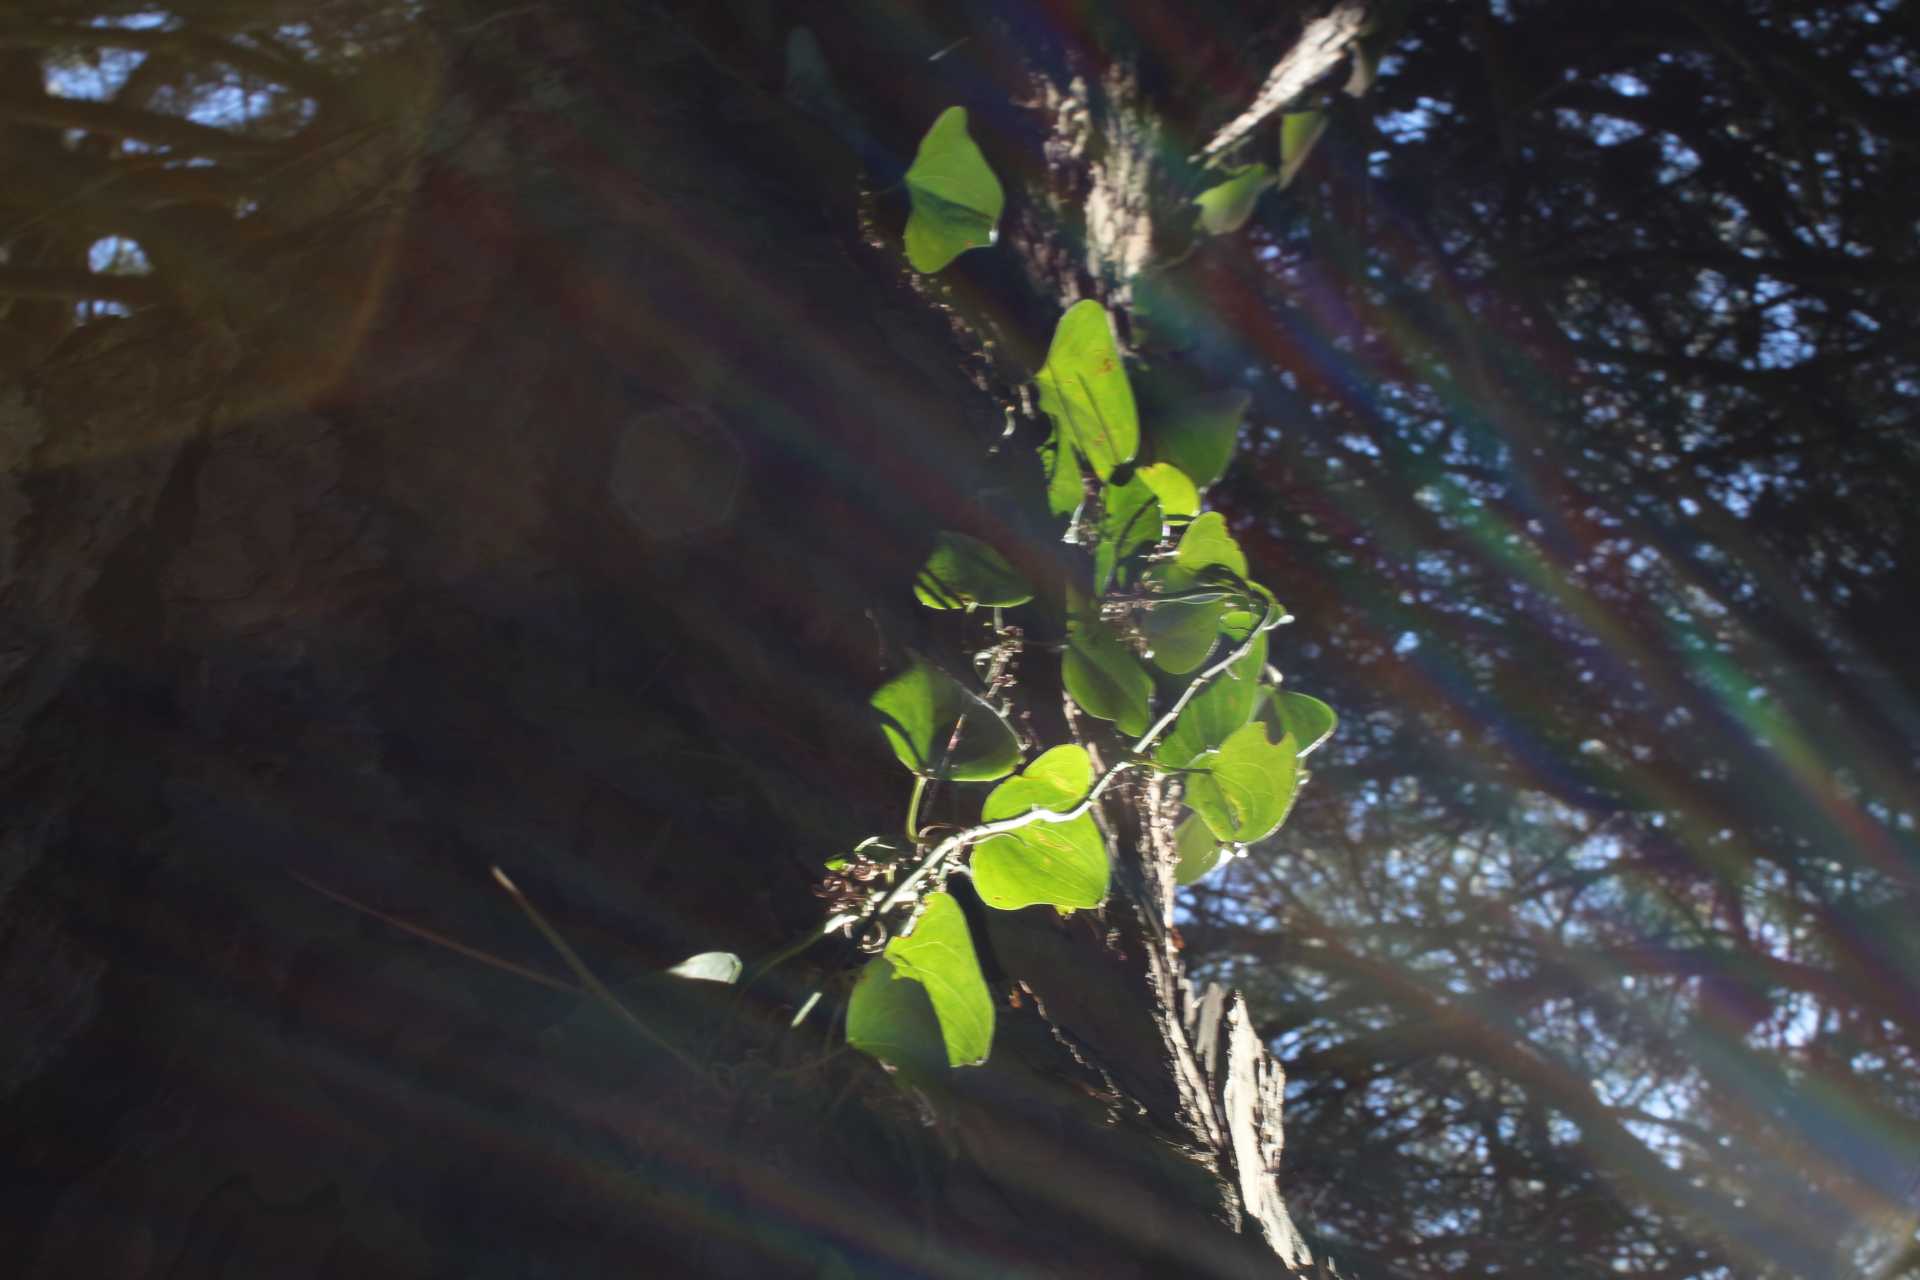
[(1322, 45), (108, 120), (186, 44)]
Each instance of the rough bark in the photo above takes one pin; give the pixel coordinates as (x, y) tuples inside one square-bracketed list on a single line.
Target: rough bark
[(582, 564)]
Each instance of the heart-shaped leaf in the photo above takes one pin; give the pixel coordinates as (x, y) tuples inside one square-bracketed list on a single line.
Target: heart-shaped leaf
[(1103, 676), (1226, 208), (893, 1019), (1060, 864), (941, 729), (956, 199), (939, 955), (1309, 721), (1193, 429), (1136, 514), (1226, 703), (1172, 486), (1248, 784), (1084, 389), (963, 572), (1205, 545), (1181, 633), (1132, 520), (1196, 849)]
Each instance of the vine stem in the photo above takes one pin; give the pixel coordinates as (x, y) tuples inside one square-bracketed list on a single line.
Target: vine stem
[(952, 845), (913, 808)]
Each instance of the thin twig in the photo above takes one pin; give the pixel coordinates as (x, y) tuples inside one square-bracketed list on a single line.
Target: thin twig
[(439, 939), (587, 976)]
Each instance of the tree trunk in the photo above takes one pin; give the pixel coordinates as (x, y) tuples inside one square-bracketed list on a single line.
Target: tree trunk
[(584, 568)]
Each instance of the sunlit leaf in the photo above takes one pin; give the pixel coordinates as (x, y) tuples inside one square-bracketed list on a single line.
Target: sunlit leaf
[(1084, 389), (892, 1018), (1247, 786), (956, 200), (939, 955), (1299, 131), (1060, 864), (921, 708), (1207, 544), (1226, 703), (1309, 721), (1196, 849), (1132, 520), (709, 966), (1065, 486), (963, 572), (1225, 208), (1173, 487)]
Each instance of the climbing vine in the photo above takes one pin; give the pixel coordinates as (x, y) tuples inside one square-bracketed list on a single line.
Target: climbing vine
[(1166, 640)]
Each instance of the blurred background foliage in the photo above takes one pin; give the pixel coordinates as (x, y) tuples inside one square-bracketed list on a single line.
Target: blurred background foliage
[(1583, 352), (239, 162), (1585, 364)]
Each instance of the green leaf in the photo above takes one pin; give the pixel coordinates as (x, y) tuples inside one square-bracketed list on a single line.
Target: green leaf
[(709, 966), (955, 197), (1103, 676), (1180, 634), (1299, 131), (1227, 207), (1132, 520), (1308, 720), (1248, 786), (1057, 779), (1060, 864), (1206, 544), (939, 955), (1237, 623), (1178, 497), (1084, 389), (1065, 488), (892, 1019), (963, 572), (1197, 851), (1195, 430), (919, 711), (1226, 703)]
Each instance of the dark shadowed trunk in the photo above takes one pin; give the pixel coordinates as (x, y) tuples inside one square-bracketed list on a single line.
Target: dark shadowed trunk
[(555, 508)]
